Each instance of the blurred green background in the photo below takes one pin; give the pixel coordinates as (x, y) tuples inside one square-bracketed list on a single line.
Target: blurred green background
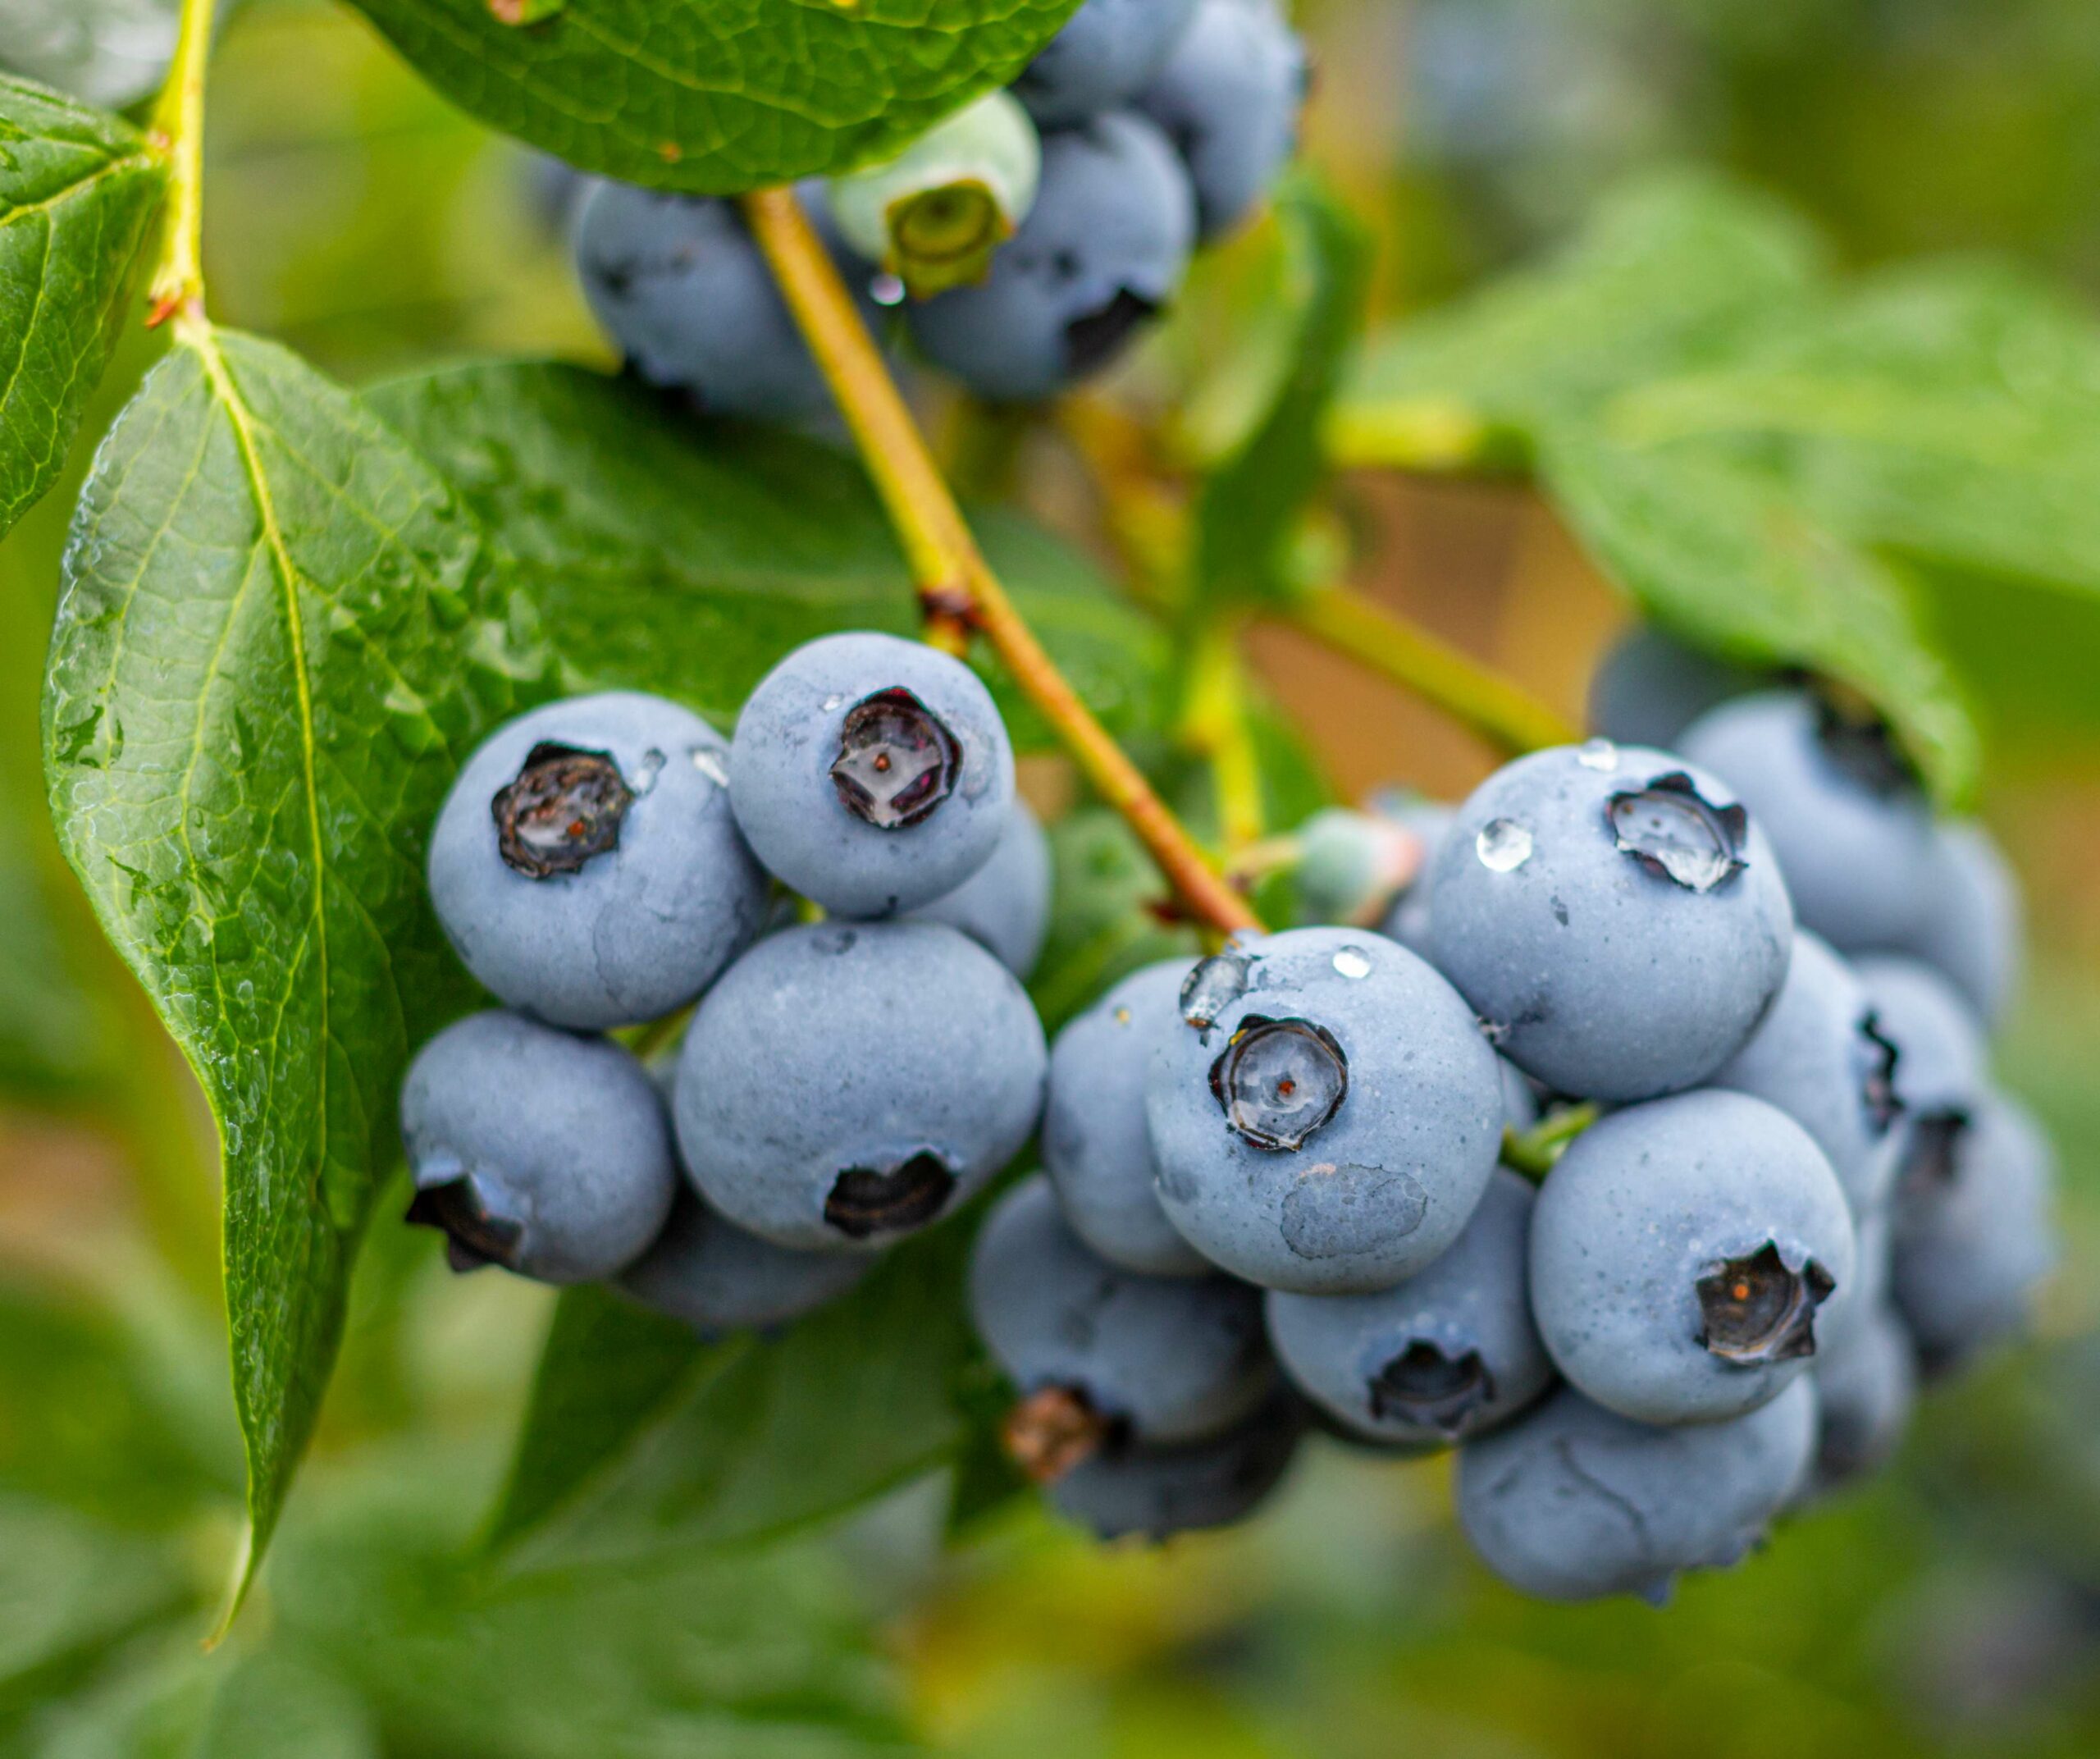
[(1953, 1607)]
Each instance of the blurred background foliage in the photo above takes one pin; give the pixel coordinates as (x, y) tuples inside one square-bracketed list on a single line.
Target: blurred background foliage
[(1952, 1608)]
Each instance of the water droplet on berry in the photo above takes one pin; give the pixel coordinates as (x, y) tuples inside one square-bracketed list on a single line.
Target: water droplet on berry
[(1280, 1081), (1503, 846), (887, 289), (1672, 830), (1599, 755), (897, 761), (647, 770), (1351, 962), (1212, 987), (708, 761)]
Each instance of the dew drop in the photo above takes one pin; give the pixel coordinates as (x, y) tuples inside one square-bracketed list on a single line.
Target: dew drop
[(709, 763), (887, 289), (1351, 962), (1212, 987), (646, 771), (1599, 755), (1503, 846)]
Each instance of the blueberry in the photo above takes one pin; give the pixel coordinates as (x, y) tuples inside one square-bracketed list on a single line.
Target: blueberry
[(1105, 1359), (536, 1149), (707, 1271), (1108, 50), (1571, 1502), (845, 1084), (1851, 827), (1680, 1252), (934, 213), (1940, 1060), (1614, 917), (1327, 1114), (871, 775), (1973, 1237), (1156, 1492), (1822, 1058), (1447, 1354), (1972, 930), (1866, 1385), (683, 288), (587, 865), (1650, 687), (1005, 906), (1105, 247), (1095, 1147), (1520, 1099), (1228, 99)]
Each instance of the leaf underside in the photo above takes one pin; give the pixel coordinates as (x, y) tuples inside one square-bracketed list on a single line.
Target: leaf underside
[(78, 192), (719, 96)]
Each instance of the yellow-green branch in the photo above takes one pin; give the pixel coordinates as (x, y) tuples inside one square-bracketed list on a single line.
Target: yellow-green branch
[(1477, 697), (957, 587), (177, 131)]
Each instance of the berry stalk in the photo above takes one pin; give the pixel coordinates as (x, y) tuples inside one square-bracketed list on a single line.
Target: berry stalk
[(957, 587), (1478, 697)]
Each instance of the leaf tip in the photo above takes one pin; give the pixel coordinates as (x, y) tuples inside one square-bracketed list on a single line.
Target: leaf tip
[(240, 1579)]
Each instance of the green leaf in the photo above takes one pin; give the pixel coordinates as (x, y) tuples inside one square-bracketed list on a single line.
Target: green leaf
[(1713, 549), (608, 1368), (852, 1401), (1952, 414), (258, 693), (661, 552), (719, 95), (1674, 272), (1247, 510), (78, 190)]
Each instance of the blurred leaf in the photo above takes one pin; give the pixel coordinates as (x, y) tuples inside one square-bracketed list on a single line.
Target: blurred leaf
[(1676, 272), (850, 1402), (608, 1367), (110, 53), (647, 538), (1101, 922), (78, 190), (1248, 509), (1716, 551), (719, 95), (255, 703)]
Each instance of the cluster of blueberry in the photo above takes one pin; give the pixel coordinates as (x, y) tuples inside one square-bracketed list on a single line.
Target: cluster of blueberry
[(1023, 241), (1725, 1001), (608, 862)]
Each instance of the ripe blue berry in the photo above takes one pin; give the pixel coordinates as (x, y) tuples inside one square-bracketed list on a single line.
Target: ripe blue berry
[(1153, 1360), (1156, 1492), (845, 1084), (1105, 248), (1940, 1069), (709, 1272), (1972, 932), (1326, 1116), (1851, 827), (1972, 1235), (1866, 1386), (1571, 1502), (1095, 1147), (1108, 50), (1448, 1353), (680, 285), (1005, 906), (536, 1149), (1228, 99), (871, 775), (587, 865), (1821, 1057), (1650, 687), (1615, 918), (1679, 1252)]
